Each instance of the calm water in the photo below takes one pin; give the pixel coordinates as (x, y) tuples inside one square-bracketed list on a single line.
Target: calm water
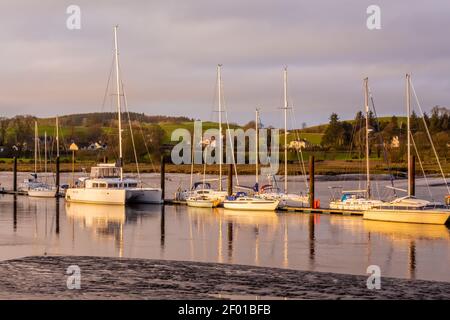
[(340, 244)]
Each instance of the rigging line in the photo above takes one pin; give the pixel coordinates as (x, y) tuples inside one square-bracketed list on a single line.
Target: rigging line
[(131, 132), (229, 136), (385, 156), (105, 96), (421, 166), (300, 154), (429, 137), (146, 146)]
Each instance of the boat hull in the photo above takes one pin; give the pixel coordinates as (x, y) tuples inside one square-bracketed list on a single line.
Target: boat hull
[(203, 203), (144, 195), (251, 206), (100, 196), (114, 196), (408, 216), (42, 193)]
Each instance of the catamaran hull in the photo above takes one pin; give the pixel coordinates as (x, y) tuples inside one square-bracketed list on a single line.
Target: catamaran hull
[(144, 195), (115, 196), (408, 216), (99, 196)]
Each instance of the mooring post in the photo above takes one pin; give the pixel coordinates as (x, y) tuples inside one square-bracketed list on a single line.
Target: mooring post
[(311, 181), (412, 176), (230, 180), (57, 182), (163, 176), (15, 174)]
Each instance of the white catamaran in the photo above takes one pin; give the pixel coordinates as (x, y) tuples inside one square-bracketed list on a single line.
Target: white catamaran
[(359, 200), (409, 208), (106, 184)]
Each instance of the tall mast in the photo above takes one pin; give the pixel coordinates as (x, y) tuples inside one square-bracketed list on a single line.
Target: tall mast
[(408, 128), (257, 142), (35, 146), (285, 131), (57, 136), (366, 104), (219, 89), (119, 109)]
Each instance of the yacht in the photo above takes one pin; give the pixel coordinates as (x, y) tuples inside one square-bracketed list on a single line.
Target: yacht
[(409, 208), (243, 202), (106, 186), (359, 200)]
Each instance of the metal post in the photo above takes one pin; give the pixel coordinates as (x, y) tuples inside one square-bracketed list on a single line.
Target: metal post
[(163, 176), (15, 175)]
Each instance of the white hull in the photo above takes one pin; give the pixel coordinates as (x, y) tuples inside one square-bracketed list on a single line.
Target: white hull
[(355, 204), (42, 193), (144, 195), (408, 216), (251, 205), (114, 196), (202, 203), (100, 196)]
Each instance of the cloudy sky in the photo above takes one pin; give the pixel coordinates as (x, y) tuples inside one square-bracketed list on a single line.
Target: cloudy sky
[(170, 49)]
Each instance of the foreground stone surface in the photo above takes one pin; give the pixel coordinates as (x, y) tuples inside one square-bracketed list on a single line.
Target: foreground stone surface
[(111, 278)]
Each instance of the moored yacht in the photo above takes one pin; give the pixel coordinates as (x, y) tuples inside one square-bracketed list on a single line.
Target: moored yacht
[(243, 202), (360, 200), (409, 208), (107, 184)]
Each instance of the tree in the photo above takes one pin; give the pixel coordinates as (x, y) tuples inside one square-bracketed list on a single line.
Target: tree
[(334, 134)]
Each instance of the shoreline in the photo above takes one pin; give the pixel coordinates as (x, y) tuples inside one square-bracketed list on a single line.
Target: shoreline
[(44, 277), (322, 168)]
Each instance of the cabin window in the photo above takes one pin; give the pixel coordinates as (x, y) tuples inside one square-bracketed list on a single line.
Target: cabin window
[(95, 185), (112, 185), (132, 185), (102, 185)]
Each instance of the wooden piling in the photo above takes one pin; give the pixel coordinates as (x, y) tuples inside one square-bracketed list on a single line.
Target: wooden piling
[(230, 180), (57, 178), (412, 176), (311, 181), (163, 176), (15, 174)]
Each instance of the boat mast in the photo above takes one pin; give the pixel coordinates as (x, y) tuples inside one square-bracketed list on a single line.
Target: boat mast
[(256, 147), (408, 128), (366, 104), (219, 87), (119, 109), (285, 131), (35, 146)]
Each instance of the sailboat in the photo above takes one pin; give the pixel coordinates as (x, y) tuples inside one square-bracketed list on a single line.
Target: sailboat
[(409, 208), (106, 183), (203, 189), (272, 191), (37, 188), (359, 199), (241, 201)]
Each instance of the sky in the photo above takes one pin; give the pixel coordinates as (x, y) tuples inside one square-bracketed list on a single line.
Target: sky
[(169, 51)]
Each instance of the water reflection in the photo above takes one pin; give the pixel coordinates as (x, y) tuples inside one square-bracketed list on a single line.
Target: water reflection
[(343, 244), (406, 231)]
